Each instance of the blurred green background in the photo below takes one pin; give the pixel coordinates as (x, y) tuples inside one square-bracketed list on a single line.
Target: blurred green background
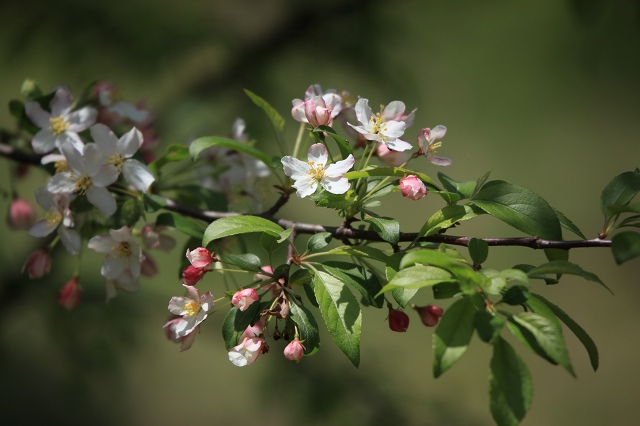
[(544, 93)]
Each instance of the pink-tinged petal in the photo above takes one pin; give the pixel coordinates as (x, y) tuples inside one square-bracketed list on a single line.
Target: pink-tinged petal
[(206, 300), (363, 112), (93, 159), (42, 228), (392, 157), (305, 186), (409, 119), (102, 199), (61, 102), (130, 142), (423, 140), (81, 119), (102, 244), (297, 112), (186, 326), (438, 133), (439, 161), (339, 168), (44, 141), (70, 239), (193, 292), (336, 185), (177, 305), (318, 154), (107, 174), (74, 157), (313, 90), (333, 102), (393, 129), (104, 138), (37, 115), (398, 145), (295, 168), (61, 182), (393, 111), (113, 267), (187, 341), (137, 174)]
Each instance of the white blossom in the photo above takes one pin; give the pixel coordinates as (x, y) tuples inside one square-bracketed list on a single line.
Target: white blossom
[(385, 127), (57, 216), (123, 254)]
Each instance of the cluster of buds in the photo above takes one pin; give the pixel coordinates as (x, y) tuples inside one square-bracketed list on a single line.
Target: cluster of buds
[(399, 320), (201, 261)]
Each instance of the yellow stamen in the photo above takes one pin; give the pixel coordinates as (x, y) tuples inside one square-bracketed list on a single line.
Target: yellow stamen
[(83, 184), (61, 166), (432, 148), (58, 125), (53, 217), (117, 160), (191, 308), (317, 170), (122, 250)]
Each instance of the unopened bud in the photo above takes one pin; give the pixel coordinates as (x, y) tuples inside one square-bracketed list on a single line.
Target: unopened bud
[(429, 314), (398, 320), (21, 214), (38, 264), (70, 294), (412, 187), (294, 350)]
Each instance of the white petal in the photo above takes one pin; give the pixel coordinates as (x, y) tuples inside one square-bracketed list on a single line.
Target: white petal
[(104, 138), (113, 267), (363, 112), (306, 186), (61, 102), (297, 112), (45, 199), (393, 129), (102, 199), (438, 133), (336, 185), (107, 174), (318, 154), (102, 244), (137, 174), (177, 305), (398, 145), (81, 119), (129, 110), (236, 357), (130, 142), (339, 168), (44, 141), (70, 239), (73, 156), (93, 159), (393, 111), (206, 300), (121, 235), (439, 161), (42, 228), (71, 138), (37, 115), (295, 168), (62, 182)]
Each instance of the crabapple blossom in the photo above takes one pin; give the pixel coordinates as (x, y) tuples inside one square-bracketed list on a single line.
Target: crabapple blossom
[(200, 257), (107, 94), (242, 299), (185, 341), (193, 310), (412, 187), (382, 127), (308, 175), (126, 281), (70, 294), (88, 175), (248, 351), (153, 238), (294, 350), (429, 315), (38, 264), (21, 214), (327, 105), (398, 320), (429, 141), (58, 216), (317, 112), (122, 253), (119, 152), (391, 157), (192, 275), (61, 125)]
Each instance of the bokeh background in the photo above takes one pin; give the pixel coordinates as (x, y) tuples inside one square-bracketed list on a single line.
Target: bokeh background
[(543, 93)]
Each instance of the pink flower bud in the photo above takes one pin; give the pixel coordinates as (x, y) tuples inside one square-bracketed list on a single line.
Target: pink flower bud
[(21, 215), (255, 330), (391, 157), (148, 266), (242, 299), (38, 264), (70, 294), (192, 275), (398, 320), (429, 314), (200, 257), (294, 350), (412, 187), (317, 112)]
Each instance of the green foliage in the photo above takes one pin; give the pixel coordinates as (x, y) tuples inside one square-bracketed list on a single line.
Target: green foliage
[(182, 223), (453, 335), (387, 228), (277, 122), (343, 146), (307, 328), (625, 246), (200, 144), (235, 225), (237, 321)]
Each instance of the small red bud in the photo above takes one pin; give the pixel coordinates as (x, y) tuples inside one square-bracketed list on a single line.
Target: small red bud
[(429, 314), (398, 320)]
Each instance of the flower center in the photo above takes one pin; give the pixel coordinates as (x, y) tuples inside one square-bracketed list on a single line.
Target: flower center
[(317, 170), (433, 146), (122, 250), (82, 184), (58, 125), (53, 217), (61, 166), (117, 160), (191, 308)]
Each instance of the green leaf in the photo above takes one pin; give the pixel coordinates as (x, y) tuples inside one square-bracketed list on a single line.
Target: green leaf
[(452, 336), (319, 241), (538, 304), (516, 295), (212, 200), (284, 235), (237, 321), (564, 267), (247, 261), (341, 313), (181, 223), (343, 146), (548, 335), (467, 277), (386, 227), (480, 183), (277, 122), (173, 153), (416, 277), (446, 290), (568, 224), (625, 246), (200, 144), (334, 201), (359, 278), (519, 207), (131, 211), (365, 252), (307, 327), (495, 281), (399, 172), (526, 268), (620, 191), (510, 387), (234, 225), (487, 326), (153, 203), (447, 217), (463, 189), (478, 250)]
